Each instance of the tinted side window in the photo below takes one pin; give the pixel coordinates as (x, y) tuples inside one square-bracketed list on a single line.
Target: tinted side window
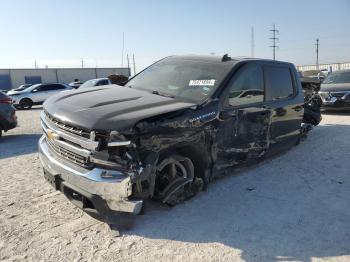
[(43, 88), (56, 87), (103, 82), (247, 86), (279, 83)]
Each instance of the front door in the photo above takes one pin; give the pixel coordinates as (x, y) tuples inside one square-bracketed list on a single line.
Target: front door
[(39, 93), (243, 131)]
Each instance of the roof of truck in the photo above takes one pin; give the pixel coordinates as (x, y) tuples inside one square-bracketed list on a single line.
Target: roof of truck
[(224, 59)]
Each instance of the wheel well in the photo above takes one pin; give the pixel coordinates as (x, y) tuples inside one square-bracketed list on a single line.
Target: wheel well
[(26, 98), (198, 155)]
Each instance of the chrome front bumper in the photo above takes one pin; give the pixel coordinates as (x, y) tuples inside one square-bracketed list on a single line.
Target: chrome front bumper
[(114, 190)]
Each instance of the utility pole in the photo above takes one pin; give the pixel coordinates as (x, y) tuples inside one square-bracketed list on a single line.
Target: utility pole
[(35, 64), (82, 63), (274, 39), (127, 59), (252, 54), (123, 51), (317, 45), (133, 59)]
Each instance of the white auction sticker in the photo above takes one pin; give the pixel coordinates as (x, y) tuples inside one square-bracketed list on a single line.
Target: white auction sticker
[(209, 82)]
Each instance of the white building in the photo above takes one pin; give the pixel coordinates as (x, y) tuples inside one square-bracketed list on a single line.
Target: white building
[(329, 67), (12, 78)]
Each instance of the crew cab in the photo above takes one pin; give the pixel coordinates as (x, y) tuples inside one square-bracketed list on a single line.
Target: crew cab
[(168, 131)]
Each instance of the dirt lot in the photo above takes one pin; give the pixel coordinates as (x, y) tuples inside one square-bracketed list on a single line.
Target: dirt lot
[(292, 208)]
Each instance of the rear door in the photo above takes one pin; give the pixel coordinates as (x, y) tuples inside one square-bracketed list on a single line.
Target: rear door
[(285, 100), (243, 131)]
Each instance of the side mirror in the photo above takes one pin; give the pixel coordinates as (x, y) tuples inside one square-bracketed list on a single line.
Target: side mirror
[(35, 90)]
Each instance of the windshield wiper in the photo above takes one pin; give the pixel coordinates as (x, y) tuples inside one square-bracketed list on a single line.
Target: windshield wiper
[(155, 92)]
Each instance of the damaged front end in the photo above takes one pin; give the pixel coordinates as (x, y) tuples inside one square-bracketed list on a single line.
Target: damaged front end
[(113, 172), (96, 172)]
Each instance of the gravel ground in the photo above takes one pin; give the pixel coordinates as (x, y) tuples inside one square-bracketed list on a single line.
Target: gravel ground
[(295, 207)]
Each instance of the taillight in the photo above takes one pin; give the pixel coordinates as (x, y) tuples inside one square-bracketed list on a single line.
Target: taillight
[(6, 100)]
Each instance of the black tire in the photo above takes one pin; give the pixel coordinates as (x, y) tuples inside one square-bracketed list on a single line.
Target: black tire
[(25, 104), (172, 172)]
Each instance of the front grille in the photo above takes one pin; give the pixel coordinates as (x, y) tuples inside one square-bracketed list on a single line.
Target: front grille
[(68, 128), (69, 155)]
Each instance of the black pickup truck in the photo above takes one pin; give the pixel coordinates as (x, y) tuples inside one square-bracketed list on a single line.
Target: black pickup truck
[(169, 130)]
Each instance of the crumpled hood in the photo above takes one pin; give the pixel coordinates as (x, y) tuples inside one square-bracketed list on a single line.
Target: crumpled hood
[(109, 108), (335, 87)]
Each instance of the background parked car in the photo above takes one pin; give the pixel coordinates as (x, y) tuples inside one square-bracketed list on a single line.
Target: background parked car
[(22, 87), (35, 94), (75, 84), (335, 90), (316, 74), (96, 82), (8, 119)]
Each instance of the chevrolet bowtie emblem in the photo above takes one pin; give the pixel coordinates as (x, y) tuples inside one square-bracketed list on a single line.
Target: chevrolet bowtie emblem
[(52, 135)]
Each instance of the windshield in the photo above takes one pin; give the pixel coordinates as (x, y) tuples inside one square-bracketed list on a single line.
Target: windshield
[(184, 79), (89, 83), (338, 77)]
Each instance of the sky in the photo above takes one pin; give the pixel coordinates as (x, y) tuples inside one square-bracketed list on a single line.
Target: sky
[(61, 33)]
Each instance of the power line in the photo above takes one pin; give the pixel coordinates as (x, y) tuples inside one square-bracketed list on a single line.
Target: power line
[(127, 59), (317, 45), (274, 39)]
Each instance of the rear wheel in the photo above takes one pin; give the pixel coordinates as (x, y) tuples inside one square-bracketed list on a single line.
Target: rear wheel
[(26, 103)]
